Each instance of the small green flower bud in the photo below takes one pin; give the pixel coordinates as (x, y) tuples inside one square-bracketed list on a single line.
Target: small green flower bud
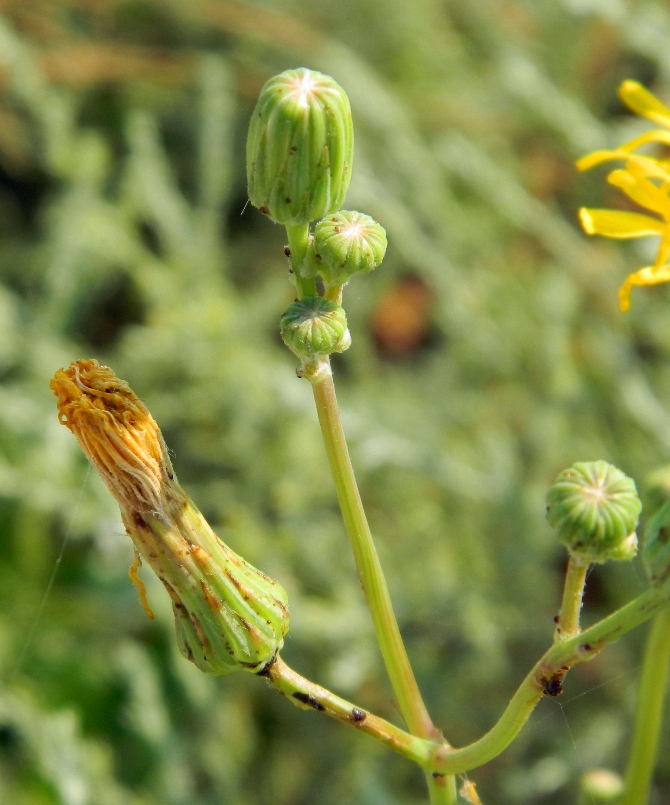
[(595, 509), (229, 616), (599, 786), (313, 326), (348, 243), (656, 551), (300, 147)]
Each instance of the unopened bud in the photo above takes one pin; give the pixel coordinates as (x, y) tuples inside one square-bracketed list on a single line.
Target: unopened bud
[(300, 147), (594, 508), (229, 616), (313, 327), (600, 786), (348, 243)]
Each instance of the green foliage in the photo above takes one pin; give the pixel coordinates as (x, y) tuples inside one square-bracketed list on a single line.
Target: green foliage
[(488, 353)]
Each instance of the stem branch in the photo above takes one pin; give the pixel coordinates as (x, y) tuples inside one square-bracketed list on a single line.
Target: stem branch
[(310, 696), (545, 678), (441, 789), (369, 568), (298, 243), (571, 605)]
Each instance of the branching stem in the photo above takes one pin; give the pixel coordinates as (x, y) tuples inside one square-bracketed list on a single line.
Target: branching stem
[(298, 243), (545, 678), (310, 696)]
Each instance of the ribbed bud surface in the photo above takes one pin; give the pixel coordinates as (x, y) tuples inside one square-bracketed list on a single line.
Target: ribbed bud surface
[(594, 508), (300, 147), (314, 326), (229, 616), (348, 243)]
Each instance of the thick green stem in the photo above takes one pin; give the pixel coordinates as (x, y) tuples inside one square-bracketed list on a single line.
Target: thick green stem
[(310, 696), (298, 243), (648, 717), (571, 605), (369, 568), (441, 789), (334, 293), (545, 678)]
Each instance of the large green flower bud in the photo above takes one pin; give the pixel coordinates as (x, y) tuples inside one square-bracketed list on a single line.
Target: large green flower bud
[(300, 147), (314, 326), (594, 507), (229, 616), (348, 243)]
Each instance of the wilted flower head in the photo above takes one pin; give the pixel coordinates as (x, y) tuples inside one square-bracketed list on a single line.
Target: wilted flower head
[(118, 434), (228, 615)]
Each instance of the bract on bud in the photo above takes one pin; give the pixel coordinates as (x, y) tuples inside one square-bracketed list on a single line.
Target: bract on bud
[(300, 147), (229, 616), (314, 326), (348, 243), (594, 507)]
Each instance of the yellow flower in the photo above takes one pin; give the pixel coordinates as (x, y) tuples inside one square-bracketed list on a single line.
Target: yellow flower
[(646, 181)]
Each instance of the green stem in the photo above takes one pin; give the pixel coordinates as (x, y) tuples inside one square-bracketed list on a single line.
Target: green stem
[(441, 789), (653, 686), (334, 293), (571, 605), (369, 568), (298, 243), (310, 696), (545, 678)]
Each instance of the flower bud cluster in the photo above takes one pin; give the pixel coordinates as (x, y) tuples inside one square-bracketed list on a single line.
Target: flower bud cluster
[(300, 150)]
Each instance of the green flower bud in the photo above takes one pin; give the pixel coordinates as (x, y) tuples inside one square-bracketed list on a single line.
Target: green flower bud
[(600, 786), (314, 326), (348, 243), (595, 509), (300, 147), (656, 551), (229, 616)]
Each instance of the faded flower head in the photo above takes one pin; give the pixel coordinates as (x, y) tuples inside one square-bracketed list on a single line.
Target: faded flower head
[(118, 434), (646, 181), (229, 616)]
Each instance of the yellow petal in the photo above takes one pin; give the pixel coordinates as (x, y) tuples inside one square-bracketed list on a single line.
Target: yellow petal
[(624, 151), (653, 136), (643, 192), (588, 161), (643, 103), (645, 276), (617, 224), (648, 167)]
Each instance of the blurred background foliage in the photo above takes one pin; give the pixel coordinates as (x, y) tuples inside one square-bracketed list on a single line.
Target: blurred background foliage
[(488, 355)]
